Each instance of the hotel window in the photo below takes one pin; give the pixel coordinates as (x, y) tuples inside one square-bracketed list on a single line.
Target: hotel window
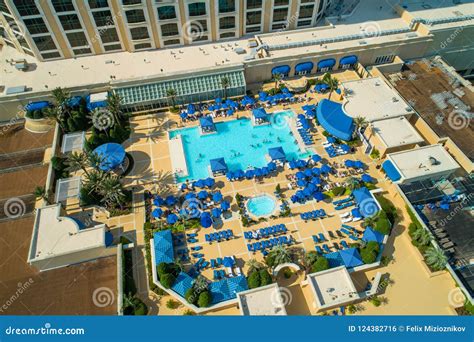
[(226, 23), (226, 6), (253, 29), (199, 26), (45, 43), (142, 46), (70, 22), (36, 25), (63, 5), (50, 55), (23, 42), (82, 51), (197, 9), (103, 18), (281, 3), (131, 2), (98, 4), (254, 18), (306, 12), (166, 12), (227, 35), (3, 7), (280, 14), (139, 33), (251, 4), (26, 7), (113, 47), (135, 16), (77, 39), (169, 30), (108, 35), (171, 42)]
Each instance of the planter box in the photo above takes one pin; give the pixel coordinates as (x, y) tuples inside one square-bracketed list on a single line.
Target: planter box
[(42, 125)]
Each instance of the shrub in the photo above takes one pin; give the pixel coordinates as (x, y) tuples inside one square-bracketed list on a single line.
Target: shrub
[(189, 313), (320, 264), (412, 227), (270, 260), (172, 304), (265, 278), (167, 280), (338, 190), (376, 301), (375, 154), (162, 269), (370, 252), (140, 308), (204, 299), (388, 207), (254, 280), (383, 225), (190, 296)]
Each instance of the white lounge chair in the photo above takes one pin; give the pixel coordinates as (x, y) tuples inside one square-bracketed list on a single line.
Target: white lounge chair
[(229, 272), (346, 214), (238, 271), (347, 219)]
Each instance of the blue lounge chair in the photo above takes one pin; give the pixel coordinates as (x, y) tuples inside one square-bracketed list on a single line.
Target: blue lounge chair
[(326, 248), (213, 263), (219, 261), (196, 248), (344, 244), (319, 250), (322, 237), (216, 275), (204, 264), (315, 239), (208, 238)]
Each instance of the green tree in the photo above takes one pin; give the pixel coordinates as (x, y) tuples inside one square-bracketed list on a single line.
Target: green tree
[(205, 299), (254, 265), (78, 161), (41, 193), (253, 280), (114, 106), (435, 258), (353, 183), (225, 83), (360, 122), (422, 236), (171, 94), (321, 264), (331, 82), (111, 190), (167, 280), (265, 277), (280, 255), (56, 114), (277, 78)]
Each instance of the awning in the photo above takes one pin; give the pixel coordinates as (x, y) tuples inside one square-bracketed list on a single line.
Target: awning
[(282, 69), (259, 113), (37, 105), (276, 153), (218, 165), (333, 119), (351, 257), (163, 243), (206, 121), (111, 155), (372, 235), (366, 202), (326, 63), (391, 171), (302, 67), (348, 60)]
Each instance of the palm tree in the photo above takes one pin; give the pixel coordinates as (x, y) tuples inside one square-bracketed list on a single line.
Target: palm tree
[(280, 255), (56, 114), (225, 83), (277, 78), (94, 180), (422, 236), (114, 106), (112, 191), (370, 221), (200, 284), (40, 193), (254, 265), (331, 82), (171, 94), (435, 258), (77, 161), (353, 183), (360, 122), (94, 159)]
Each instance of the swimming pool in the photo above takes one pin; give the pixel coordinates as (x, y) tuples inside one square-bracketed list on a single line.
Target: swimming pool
[(239, 142), (262, 205)]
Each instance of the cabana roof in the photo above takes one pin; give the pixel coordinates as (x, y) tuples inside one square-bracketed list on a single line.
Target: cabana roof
[(111, 155), (206, 121), (367, 204), (227, 289), (218, 165), (333, 119), (182, 283), (163, 244), (277, 153), (259, 113)]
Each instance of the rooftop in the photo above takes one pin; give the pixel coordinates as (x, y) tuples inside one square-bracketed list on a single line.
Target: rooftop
[(418, 162), (373, 99), (396, 132), (441, 99), (333, 287), (55, 235), (262, 301)]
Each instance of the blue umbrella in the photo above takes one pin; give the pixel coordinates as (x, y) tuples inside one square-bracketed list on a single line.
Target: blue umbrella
[(228, 262), (239, 173), (183, 115), (170, 200), (366, 178), (312, 187), (217, 196), (325, 168), (292, 165), (301, 182), (358, 164), (300, 175), (157, 213), (158, 201), (172, 218), (316, 171), (216, 212), (190, 196), (200, 183), (203, 194), (230, 175), (348, 163), (332, 140), (308, 173), (316, 158), (307, 192), (184, 186), (258, 173), (271, 166), (345, 147), (249, 174), (315, 180), (225, 205), (265, 171), (209, 182), (318, 196), (206, 220)]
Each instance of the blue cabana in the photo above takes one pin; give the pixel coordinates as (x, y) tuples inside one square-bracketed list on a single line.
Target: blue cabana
[(157, 213), (260, 115), (111, 156), (391, 171), (351, 257), (206, 220), (334, 259), (282, 69), (37, 105), (348, 61), (365, 201), (207, 124), (326, 64), (182, 284), (333, 119), (172, 218), (163, 245), (227, 288), (372, 235), (216, 212), (305, 67), (225, 205), (277, 153)]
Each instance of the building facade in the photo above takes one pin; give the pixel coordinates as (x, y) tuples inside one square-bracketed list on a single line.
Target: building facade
[(56, 29)]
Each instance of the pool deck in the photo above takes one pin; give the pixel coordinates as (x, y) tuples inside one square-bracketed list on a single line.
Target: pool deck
[(296, 135), (177, 155)]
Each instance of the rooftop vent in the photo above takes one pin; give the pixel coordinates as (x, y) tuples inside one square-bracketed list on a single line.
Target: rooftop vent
[(433, 161)]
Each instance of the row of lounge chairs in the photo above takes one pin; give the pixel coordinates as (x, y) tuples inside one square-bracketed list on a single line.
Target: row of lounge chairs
[(344, 205), (319, 238), (334, 151), (312, 215), (265, 232), (261, 245), (342, 201), (351, 232), (219, 236), (326, 249), (201, 264)]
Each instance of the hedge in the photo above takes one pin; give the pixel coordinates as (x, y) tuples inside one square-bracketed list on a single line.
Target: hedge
[(204, 299), (167, 280), (265, 278), (254, 280), (370, 252), (320, 264)]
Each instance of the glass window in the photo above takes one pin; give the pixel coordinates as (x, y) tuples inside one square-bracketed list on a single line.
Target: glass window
[(169, 30), (63, 5), (166, 12), (44, 43), (70, 22), (50, 55), (26, 7), (3, 7), (131, 2), (226, 6), (281, 3), (197, 8), (171, 42), (103, 18), (306, 12), (113, 47), (228, 35), (138, 33), (82, 51), (254, 18), (280, 14), (98, 3), (226, 23), (36, 25), (254, 4), (142, 46), (135, 16), (77, 39), (109, 35)]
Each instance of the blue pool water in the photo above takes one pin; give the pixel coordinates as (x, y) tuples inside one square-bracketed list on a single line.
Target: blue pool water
[(238, 142), (262, 205)]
